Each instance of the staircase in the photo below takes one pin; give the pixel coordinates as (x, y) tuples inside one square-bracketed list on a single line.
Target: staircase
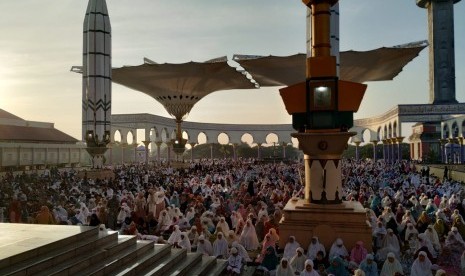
[(94, 252)]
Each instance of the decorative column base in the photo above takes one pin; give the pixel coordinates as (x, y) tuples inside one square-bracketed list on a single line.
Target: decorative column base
[(329, 222), (323, 213), (97, 156)]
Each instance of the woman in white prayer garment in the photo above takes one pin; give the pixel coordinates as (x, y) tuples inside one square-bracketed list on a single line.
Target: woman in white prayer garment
[(220, 247), (290, 248), (338, 249), (175, 235), (390, 244), (204, 246), (193, 236), (184, 242), (284, 268), (432, 235), (391, 266), (249, 237), (298, 261), (421, 266), (164, 221), (314, 247), (223, 224), (309, 269)]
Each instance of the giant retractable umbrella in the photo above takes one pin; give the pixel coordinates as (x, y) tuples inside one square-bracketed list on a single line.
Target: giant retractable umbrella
[(178, 87), (374, 65)]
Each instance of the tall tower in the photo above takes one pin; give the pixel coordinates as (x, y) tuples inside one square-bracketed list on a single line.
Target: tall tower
[(96, 80), (441, 50)]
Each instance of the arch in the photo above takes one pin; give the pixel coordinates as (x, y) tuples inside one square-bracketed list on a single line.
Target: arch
[(272, 138), (389, 135), (117, 137), (202, 138), (378, 134), (222, 138), (165, 137), (154, 134), (394, 129), (185, 135), (463, 128), (366, 135), (130, 137), (385, 132), (455, 130), (247, 138), (445, 131)]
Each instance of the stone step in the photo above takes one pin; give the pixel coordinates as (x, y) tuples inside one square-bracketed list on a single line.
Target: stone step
[(55, 257), (159, 251), (219, 268), (185, 266), (86, 259), (26, 243), (118, 261), (207, 264), (162, 266)]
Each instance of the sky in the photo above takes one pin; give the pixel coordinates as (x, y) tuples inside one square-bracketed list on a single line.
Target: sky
[(41, 40)]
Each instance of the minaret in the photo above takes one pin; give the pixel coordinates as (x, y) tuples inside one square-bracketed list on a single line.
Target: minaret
[(96, 80), (441, 50)]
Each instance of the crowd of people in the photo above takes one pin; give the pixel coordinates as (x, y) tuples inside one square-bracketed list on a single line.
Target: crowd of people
[(231, 209)]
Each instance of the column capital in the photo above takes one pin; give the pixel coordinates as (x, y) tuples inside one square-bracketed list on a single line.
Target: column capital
[(146, 143), (375, 142)]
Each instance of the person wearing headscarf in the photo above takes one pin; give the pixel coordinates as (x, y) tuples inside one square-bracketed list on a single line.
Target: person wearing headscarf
[(231, 237), (410, 230), (298, 261), (358, 253), (452, 253), (184, 242), (274, 235), (242, 251), (390, 244), (234, 262), (391, 266), (309, 269), (290, 248), (204, 246), (314, 247), (175, 235), (223, 224), (44, 216), (338, 249), (270, 260), (249, 237), (337, 266), (442, 272), (359, 272), (265, 244), (220, 247), (421, 266), (369, 266), (432, 235), (424, 244), (284, 268), (164, 221)]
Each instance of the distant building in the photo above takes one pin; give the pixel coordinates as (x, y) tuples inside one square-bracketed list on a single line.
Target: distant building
[(28, 145), (424, 142)]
